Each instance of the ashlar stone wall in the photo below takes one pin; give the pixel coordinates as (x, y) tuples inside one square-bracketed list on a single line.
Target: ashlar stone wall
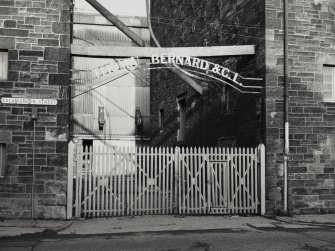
[(36, 35), (312, 124)]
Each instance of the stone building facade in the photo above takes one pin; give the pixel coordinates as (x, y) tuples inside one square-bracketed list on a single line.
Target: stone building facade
[(241, 120), (35, 36), (311, 29), (35, 63)]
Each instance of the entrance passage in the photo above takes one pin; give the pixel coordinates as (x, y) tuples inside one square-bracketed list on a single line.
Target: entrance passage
[(117, 181)]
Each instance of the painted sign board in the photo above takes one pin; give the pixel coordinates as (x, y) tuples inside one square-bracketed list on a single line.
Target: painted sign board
[(200, 64), (116, 65), (29, 101)]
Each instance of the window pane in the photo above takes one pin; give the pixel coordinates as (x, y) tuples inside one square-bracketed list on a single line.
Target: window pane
[(3, 65), (2, 159), (328, 83)]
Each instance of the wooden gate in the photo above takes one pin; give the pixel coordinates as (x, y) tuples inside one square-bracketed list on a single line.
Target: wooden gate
[(115, 181)]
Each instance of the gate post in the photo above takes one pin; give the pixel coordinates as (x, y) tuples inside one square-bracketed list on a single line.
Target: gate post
[(262, 163), (177, 195), (69, 203)]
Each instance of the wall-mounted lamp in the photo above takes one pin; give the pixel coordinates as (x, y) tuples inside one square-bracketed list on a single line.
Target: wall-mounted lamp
[(101, 118), (138, 117)]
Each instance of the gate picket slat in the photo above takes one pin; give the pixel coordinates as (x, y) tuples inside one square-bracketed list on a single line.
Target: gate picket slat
[(99, 171), (187, 176), (250, 167), (164, 168), (220, 171), (103, 181), (101, 177), (155, 157), (182, 180), (253, 151), (77, 203), (230, 178), (246, 177), (169, 181), (217, 175), (251, 173), (111, 185), (115, 180), (132, 160), (85, 181), (211, 170), (127, 178), (192, 172), (103, 168), (195, 183), (132, 167), (171, 190), (236, 180), (159, 179), (150, 171), (94, 166), (90, 149), (119, 173), (124, 175), (107, 185), (140, 192), (208, 181), (225, 179), (257, 166), (78, 181), (146, 187), (240, 180), (135, 181), (244, 169), (80, 178), (138, 180), (202, 163)]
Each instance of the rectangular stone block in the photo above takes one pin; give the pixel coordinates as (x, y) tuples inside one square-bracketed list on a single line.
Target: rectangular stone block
[(57, 54), (14, 65), (7, 42), (31, 53), (61, 28), (8, 10), (59, 79), (48, 42), (9, 23), (32, 20), (42, 93), (14, 32), (57, 160)]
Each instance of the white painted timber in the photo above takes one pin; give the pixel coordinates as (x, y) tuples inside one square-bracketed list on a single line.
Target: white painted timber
[(147, 52), (114, 181)]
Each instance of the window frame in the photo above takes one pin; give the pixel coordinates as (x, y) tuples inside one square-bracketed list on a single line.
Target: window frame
[(182, 106), (161, 119), (3, 159), (3, 67), (332, 100)]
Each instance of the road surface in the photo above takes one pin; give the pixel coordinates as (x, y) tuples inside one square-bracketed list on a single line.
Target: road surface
[(227, 239)]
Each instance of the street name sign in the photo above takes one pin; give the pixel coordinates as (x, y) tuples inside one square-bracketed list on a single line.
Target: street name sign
[(29, 101)]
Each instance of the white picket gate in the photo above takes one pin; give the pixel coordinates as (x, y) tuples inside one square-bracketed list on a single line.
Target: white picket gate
[(115, 181)]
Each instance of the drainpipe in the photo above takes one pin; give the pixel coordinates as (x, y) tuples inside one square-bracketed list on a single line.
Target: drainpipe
[(34, 114), (286, 97)]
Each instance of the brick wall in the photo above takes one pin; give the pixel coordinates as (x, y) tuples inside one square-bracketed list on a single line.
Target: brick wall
[(37, 36), (311, 165), (209, 23)]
